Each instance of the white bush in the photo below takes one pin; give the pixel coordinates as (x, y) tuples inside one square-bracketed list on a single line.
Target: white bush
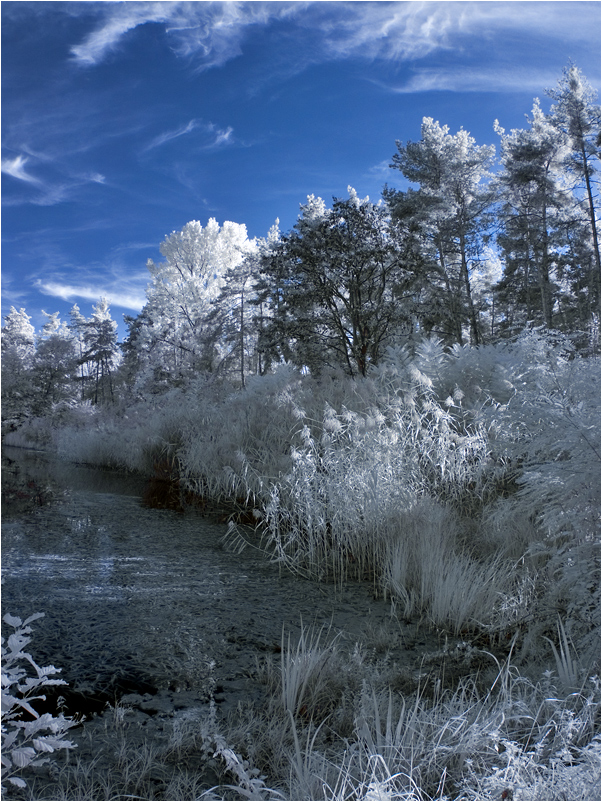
[(26, 743)]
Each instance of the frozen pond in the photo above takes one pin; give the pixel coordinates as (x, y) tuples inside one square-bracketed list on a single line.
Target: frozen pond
[(146, 599)]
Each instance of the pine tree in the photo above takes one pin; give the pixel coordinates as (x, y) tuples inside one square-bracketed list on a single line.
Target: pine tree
[(577, 117), (534, 200), (450, 211), (18, 334), (54, 365), (18, 349), (77, 327), (233, 317), (334, 286), (101, 349)]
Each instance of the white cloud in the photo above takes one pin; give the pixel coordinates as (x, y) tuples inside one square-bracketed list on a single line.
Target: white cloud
[(16, 168), (123, 296), (213, 33), (216, 136), (223, 137), (49, 192), (120, 18), (402, 31), (382, 170), (169, 135), (474, 80)]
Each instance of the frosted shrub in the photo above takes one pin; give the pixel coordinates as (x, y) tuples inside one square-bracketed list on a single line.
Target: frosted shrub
[(551, 426), (361, 479), (26, 743), (429, 575), (331, 515), (239, 443), (550, 430), (502, 439), (303, 671)]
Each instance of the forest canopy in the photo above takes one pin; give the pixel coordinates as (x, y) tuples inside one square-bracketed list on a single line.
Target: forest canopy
[(478, 249)]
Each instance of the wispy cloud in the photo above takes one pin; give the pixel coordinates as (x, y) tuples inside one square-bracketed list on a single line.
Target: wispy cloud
[(119, 18), (16, 168), (222, 137), (381, 171), (118, 294), (169, 135), (213, 33), (413, 30), (211, 135), (477, 79), (11, 293), (120, 276), (95, 178), (52, 191)]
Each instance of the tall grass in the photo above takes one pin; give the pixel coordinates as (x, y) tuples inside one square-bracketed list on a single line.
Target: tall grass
[(467, 742), (463, 483), (358, 739)]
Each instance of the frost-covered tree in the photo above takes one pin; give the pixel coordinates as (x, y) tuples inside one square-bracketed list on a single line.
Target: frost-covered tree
[(18, 349), (448, 214), (54, 365), (77, 327), (534, 198), (18, 334), (101, 351), (176, 336), (577, 118), (234, 318), (334, 286)]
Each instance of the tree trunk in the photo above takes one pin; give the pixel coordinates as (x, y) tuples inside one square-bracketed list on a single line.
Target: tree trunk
[(595, 279), (242, 337), (475, 334), (544, 276)]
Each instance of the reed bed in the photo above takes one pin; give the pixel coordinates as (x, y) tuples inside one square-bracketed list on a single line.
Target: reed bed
[(465, 486)]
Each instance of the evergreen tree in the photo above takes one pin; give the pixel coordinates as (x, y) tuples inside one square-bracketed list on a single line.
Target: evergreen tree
[(54, 365), (77, 327), (534, 202), (18, 335), (234, 318), (449, 214), (577, 117), (334, 286), (18, 349), (101, 349)]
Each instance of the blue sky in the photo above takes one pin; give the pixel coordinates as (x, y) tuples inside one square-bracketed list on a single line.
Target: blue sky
[(122, 121)]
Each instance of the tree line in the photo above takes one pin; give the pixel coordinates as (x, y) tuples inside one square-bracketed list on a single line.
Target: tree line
[(477, 250)]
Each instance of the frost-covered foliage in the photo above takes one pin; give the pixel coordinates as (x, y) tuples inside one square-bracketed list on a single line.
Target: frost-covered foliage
[(332, 286), (336, 724), (26, 743), (60, 366), (333, 730), (177, 334), (551, 428), (463, 482)]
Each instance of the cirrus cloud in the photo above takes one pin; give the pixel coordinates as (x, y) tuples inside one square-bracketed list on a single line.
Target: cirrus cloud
[(213, 32), (124, 297), (16, 168)]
